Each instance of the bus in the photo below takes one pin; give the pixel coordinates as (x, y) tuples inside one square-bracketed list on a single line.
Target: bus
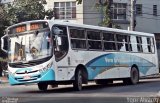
[(50, 52)]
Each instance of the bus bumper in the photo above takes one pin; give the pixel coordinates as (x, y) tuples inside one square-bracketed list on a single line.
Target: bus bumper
[(41, 77)]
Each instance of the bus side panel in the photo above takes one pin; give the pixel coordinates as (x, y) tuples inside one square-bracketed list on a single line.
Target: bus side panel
[(101, 66)]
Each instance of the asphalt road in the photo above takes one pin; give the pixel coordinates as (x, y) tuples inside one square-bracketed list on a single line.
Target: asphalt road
[(92, 93)]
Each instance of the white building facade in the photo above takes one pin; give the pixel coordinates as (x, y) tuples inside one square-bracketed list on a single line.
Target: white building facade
[(147, 13)]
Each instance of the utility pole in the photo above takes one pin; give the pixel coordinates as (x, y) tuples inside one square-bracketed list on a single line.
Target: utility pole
[(133, 18)]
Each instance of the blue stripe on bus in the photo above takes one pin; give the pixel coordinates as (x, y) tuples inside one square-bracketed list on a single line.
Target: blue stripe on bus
[(108, 61)]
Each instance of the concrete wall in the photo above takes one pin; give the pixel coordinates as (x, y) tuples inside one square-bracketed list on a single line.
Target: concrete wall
[(147, 22), (92, 15)]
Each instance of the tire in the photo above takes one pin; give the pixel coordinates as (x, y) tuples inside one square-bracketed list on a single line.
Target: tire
[(134, 77), (42, 86), (78, 80)]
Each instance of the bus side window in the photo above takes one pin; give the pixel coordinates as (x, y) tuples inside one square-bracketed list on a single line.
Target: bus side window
[(122, 42), (152, 45), (139, 44), (94, 40), (109, 41), (133, 43), (78, 40)]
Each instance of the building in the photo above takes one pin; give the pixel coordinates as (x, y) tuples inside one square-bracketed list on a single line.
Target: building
[(147, 13)]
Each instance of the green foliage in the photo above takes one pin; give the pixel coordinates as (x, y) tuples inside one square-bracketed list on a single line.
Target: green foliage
[(25, 10), (79, 1), (49, 13)]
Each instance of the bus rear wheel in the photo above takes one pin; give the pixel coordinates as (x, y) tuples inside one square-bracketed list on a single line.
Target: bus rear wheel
[(42, 86), (77, 84), (134, 77)]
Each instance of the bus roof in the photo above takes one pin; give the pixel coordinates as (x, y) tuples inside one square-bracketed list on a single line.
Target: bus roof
[(103, 28), (66, 23)]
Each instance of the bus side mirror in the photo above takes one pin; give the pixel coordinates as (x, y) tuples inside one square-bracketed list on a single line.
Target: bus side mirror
[(57, 31), (3, 43)]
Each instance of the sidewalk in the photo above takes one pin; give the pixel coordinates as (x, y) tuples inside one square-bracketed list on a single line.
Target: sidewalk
[(3, 80)]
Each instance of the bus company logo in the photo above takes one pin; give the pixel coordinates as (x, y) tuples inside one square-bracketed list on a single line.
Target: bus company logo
[(108, 60)]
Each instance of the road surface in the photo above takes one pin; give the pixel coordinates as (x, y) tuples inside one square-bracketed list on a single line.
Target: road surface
[(92, 93)]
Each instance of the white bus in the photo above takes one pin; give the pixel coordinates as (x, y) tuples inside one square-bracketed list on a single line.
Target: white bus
[(49, 52)]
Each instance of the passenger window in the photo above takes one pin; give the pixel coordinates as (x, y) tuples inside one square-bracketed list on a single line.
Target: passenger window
[(122, 42), (77, 33), (145, 45), (133, 43), (78, 40), (152, 45), (139, 44), (109, 41), (109, 46), (108, 37), (94, 40), (94, 35)]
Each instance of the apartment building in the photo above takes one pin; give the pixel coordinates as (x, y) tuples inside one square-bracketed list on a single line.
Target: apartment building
[(147, 13)]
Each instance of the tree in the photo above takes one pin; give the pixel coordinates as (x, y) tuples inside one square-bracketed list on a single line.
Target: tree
[(25, 10), (3, 23)]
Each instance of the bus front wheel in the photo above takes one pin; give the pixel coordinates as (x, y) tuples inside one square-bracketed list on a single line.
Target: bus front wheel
[(42, 86), (77, 84)]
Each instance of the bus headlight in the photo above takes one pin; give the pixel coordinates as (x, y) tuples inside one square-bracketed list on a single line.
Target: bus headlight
[(9, 72)]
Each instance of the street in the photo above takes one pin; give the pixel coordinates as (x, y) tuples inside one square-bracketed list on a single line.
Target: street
[(92, 92)]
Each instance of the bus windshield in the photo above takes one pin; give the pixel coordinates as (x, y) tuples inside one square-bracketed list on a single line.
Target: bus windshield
[(30, 46)]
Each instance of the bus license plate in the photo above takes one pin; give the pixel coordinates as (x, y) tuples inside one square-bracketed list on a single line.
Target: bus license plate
[(26, 77)]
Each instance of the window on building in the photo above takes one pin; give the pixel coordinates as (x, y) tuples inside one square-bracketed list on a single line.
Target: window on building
[(65, 10), (155, 10), (119, 11), (139, 9)]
